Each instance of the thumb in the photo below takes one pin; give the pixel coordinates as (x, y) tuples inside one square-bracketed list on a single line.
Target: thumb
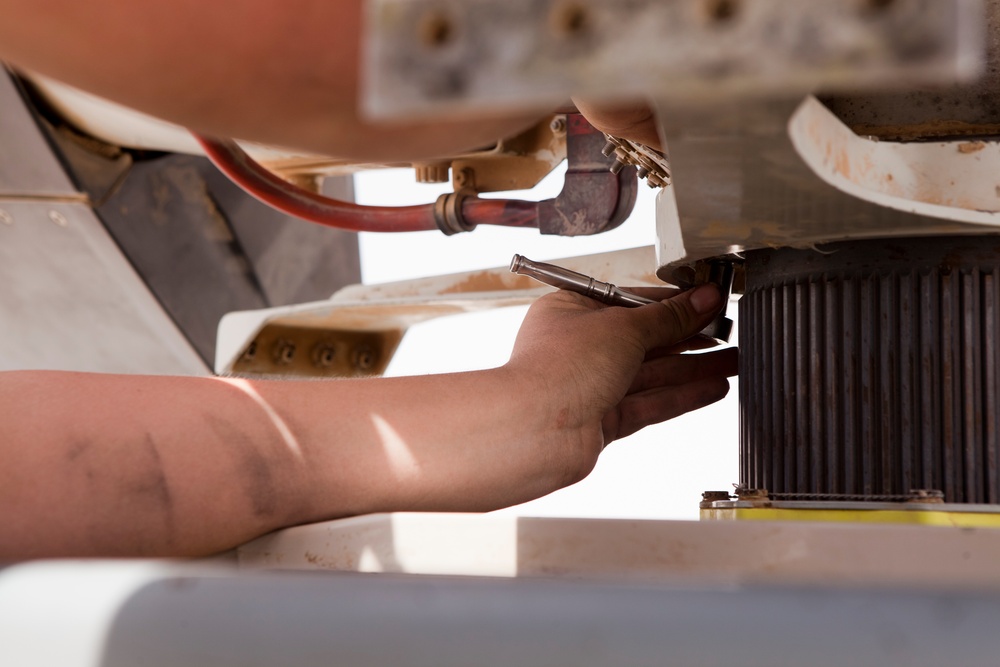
[(678, 318)]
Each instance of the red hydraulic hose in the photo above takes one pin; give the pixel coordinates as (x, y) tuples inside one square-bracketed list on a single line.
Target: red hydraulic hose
[(593, 199), (301, 203)]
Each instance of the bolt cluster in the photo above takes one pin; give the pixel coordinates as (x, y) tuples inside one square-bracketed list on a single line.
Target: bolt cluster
[(651, 164)]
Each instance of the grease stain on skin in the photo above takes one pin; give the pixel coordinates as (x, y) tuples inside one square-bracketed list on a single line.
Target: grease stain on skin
[(153, 485), (259, 484), (137, 482), (76, 450)]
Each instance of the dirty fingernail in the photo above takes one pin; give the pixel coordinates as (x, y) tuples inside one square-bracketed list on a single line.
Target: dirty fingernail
[(705, 298)]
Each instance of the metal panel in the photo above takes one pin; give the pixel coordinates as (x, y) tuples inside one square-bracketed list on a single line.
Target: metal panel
[(70, 301), (202, 245), (128, 613), (28, 168), (357, 330), (744, 552), (951, 180), (740, 184), (447, 56)]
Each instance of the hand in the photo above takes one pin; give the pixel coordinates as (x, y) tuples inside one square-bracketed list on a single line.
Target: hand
[(606, 372)]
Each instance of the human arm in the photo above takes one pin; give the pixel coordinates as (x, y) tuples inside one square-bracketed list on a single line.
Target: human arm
[(285, 73), (140, 466), (280, 72)]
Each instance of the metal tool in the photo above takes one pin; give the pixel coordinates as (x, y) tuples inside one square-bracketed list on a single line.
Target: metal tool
[(556, 276)]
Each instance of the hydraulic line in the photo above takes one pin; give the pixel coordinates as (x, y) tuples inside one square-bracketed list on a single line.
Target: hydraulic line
[(277, 193), (593, 200)]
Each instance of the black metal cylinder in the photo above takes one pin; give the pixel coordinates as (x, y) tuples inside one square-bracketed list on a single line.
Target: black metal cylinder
[(873, 368)]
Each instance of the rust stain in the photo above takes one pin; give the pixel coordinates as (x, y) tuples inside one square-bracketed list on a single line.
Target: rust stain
[(488, 281), (867, 165), (843, 164), (313, 559), (971, 147), (927, 130), (891, 187)]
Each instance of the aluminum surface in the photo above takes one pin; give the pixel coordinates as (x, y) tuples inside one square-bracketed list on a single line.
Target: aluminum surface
[(740, 184), (434, 57), (28, 167), (172, 615), (71, 301), (735, 553)]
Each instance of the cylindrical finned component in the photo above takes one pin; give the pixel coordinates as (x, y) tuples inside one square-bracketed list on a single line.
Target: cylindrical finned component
[(873, 368)]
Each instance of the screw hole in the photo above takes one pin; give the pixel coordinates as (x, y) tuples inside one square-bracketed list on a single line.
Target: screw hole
[(570, 20), (879, 6), (722, 11), (437, 31)]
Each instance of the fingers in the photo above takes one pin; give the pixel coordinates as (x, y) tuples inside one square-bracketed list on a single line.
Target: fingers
[(663, 325), (657, 405), (657, 293), (634, 121), (694, 343), (681, 369)]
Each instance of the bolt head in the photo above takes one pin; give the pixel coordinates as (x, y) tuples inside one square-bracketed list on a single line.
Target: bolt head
[(364, 358)]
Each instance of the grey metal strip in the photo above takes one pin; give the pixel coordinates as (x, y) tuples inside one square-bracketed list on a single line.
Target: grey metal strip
[(447, 56)]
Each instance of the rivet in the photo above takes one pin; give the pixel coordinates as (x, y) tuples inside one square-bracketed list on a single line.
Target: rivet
[(58, 218)]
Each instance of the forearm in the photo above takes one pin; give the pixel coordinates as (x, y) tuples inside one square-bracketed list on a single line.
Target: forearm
[(126, 465), (122, 465), (279, 72)]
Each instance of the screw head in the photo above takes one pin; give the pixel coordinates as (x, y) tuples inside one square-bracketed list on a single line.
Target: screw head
[(324, 355), (251, 352), (465, 178), (284, 352), (558, 125), (363, 357)]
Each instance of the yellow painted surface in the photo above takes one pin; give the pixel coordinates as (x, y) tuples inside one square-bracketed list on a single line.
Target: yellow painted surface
[(898, 517)]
